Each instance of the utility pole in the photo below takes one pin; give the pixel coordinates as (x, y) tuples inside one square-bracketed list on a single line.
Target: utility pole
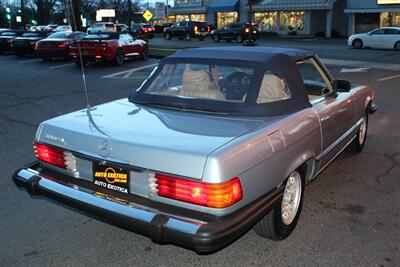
[(23, 13), (250, 16), (129, 15)]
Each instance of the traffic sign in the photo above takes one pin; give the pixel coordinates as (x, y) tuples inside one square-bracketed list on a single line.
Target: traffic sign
[(147, 15)]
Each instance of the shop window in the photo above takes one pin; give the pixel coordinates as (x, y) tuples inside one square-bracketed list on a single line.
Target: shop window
[(292, 21), (182, 18), (171, 19), (198, 17), (224, 18), (389, 19), (266, 20)]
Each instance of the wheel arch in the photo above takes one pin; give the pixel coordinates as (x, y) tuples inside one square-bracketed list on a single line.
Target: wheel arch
[(305, 164)]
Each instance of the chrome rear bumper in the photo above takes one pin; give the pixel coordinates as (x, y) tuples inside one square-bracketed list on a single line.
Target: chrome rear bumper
[(202, 236)]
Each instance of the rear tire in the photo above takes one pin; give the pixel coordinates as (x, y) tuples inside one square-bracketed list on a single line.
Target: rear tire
[(397, 46), (167, 36), (361, 138), (281, 221), (188, 37), (21, 54), (239, 39), (119, 58), (216, 38), (357, 44), (146, 53), (46, 58)]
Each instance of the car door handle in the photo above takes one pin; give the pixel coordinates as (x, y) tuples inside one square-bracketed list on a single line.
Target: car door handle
[(326, 118)]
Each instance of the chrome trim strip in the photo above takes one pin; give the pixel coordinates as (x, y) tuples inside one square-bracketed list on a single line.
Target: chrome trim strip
[(317, 100), (338, 141), (332, 159)]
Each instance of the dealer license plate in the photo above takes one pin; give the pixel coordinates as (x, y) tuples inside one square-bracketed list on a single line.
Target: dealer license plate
[(112, 178)]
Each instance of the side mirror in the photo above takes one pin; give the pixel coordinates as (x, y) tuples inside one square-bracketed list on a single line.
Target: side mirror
[(341, 85)]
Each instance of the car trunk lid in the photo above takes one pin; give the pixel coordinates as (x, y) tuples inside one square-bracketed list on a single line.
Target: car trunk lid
[(164, 140)]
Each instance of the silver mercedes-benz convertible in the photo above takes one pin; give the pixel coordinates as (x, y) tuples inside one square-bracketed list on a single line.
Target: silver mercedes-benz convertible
[(215, 142)]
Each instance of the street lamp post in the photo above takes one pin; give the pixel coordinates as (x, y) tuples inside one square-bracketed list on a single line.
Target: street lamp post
[(129, 15)]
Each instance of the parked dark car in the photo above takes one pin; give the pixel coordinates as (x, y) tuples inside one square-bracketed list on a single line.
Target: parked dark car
[(51, 27), (110, 47), (149, 29), (236, 31), (6, 38), (187, 30), (139, 31), (25, 44), (160, 28), (57, 44)]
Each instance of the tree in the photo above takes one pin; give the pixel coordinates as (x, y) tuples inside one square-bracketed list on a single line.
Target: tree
[(44, 9)]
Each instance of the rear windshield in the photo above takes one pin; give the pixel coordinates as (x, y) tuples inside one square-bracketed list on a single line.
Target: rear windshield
[(146, 25), (107, 25), (202, 81), (8, 34), (101, 36), (136, 26), (31, 34), (61, 35)]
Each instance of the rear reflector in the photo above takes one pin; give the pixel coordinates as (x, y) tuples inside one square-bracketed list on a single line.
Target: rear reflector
[(50, 155), (204, 194)]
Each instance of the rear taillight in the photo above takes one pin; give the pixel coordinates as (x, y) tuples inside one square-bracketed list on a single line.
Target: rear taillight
[(33, 43), (56, 157), (196, 29), (63, 45), (50, 155), (208, 29), (204, 194), (247, 30)]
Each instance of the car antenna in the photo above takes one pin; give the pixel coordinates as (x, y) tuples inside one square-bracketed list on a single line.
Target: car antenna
[(80, 57)]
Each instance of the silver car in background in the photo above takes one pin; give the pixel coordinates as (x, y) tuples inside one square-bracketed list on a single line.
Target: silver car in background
[(215, 142), (383, 38)]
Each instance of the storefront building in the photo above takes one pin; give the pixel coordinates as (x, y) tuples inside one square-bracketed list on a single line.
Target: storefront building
[(188, 10), (305, 17), (365, 15)]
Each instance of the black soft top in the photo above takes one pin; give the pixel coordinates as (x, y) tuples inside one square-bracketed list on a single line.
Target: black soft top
[(280, 61), (243, 53)]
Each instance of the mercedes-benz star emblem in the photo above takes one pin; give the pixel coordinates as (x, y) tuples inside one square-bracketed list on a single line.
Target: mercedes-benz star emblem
[(104, 149)]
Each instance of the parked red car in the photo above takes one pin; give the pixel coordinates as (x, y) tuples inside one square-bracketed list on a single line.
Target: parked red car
[(110, 47), (57, 45)]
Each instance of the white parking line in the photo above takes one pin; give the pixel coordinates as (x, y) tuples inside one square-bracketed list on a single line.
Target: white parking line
[(6, 56), (126, 73), (61, 66), (388, 78), (30, 60), (361, 64)]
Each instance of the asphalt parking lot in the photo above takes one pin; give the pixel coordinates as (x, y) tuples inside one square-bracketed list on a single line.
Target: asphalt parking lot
[(351, 213)]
